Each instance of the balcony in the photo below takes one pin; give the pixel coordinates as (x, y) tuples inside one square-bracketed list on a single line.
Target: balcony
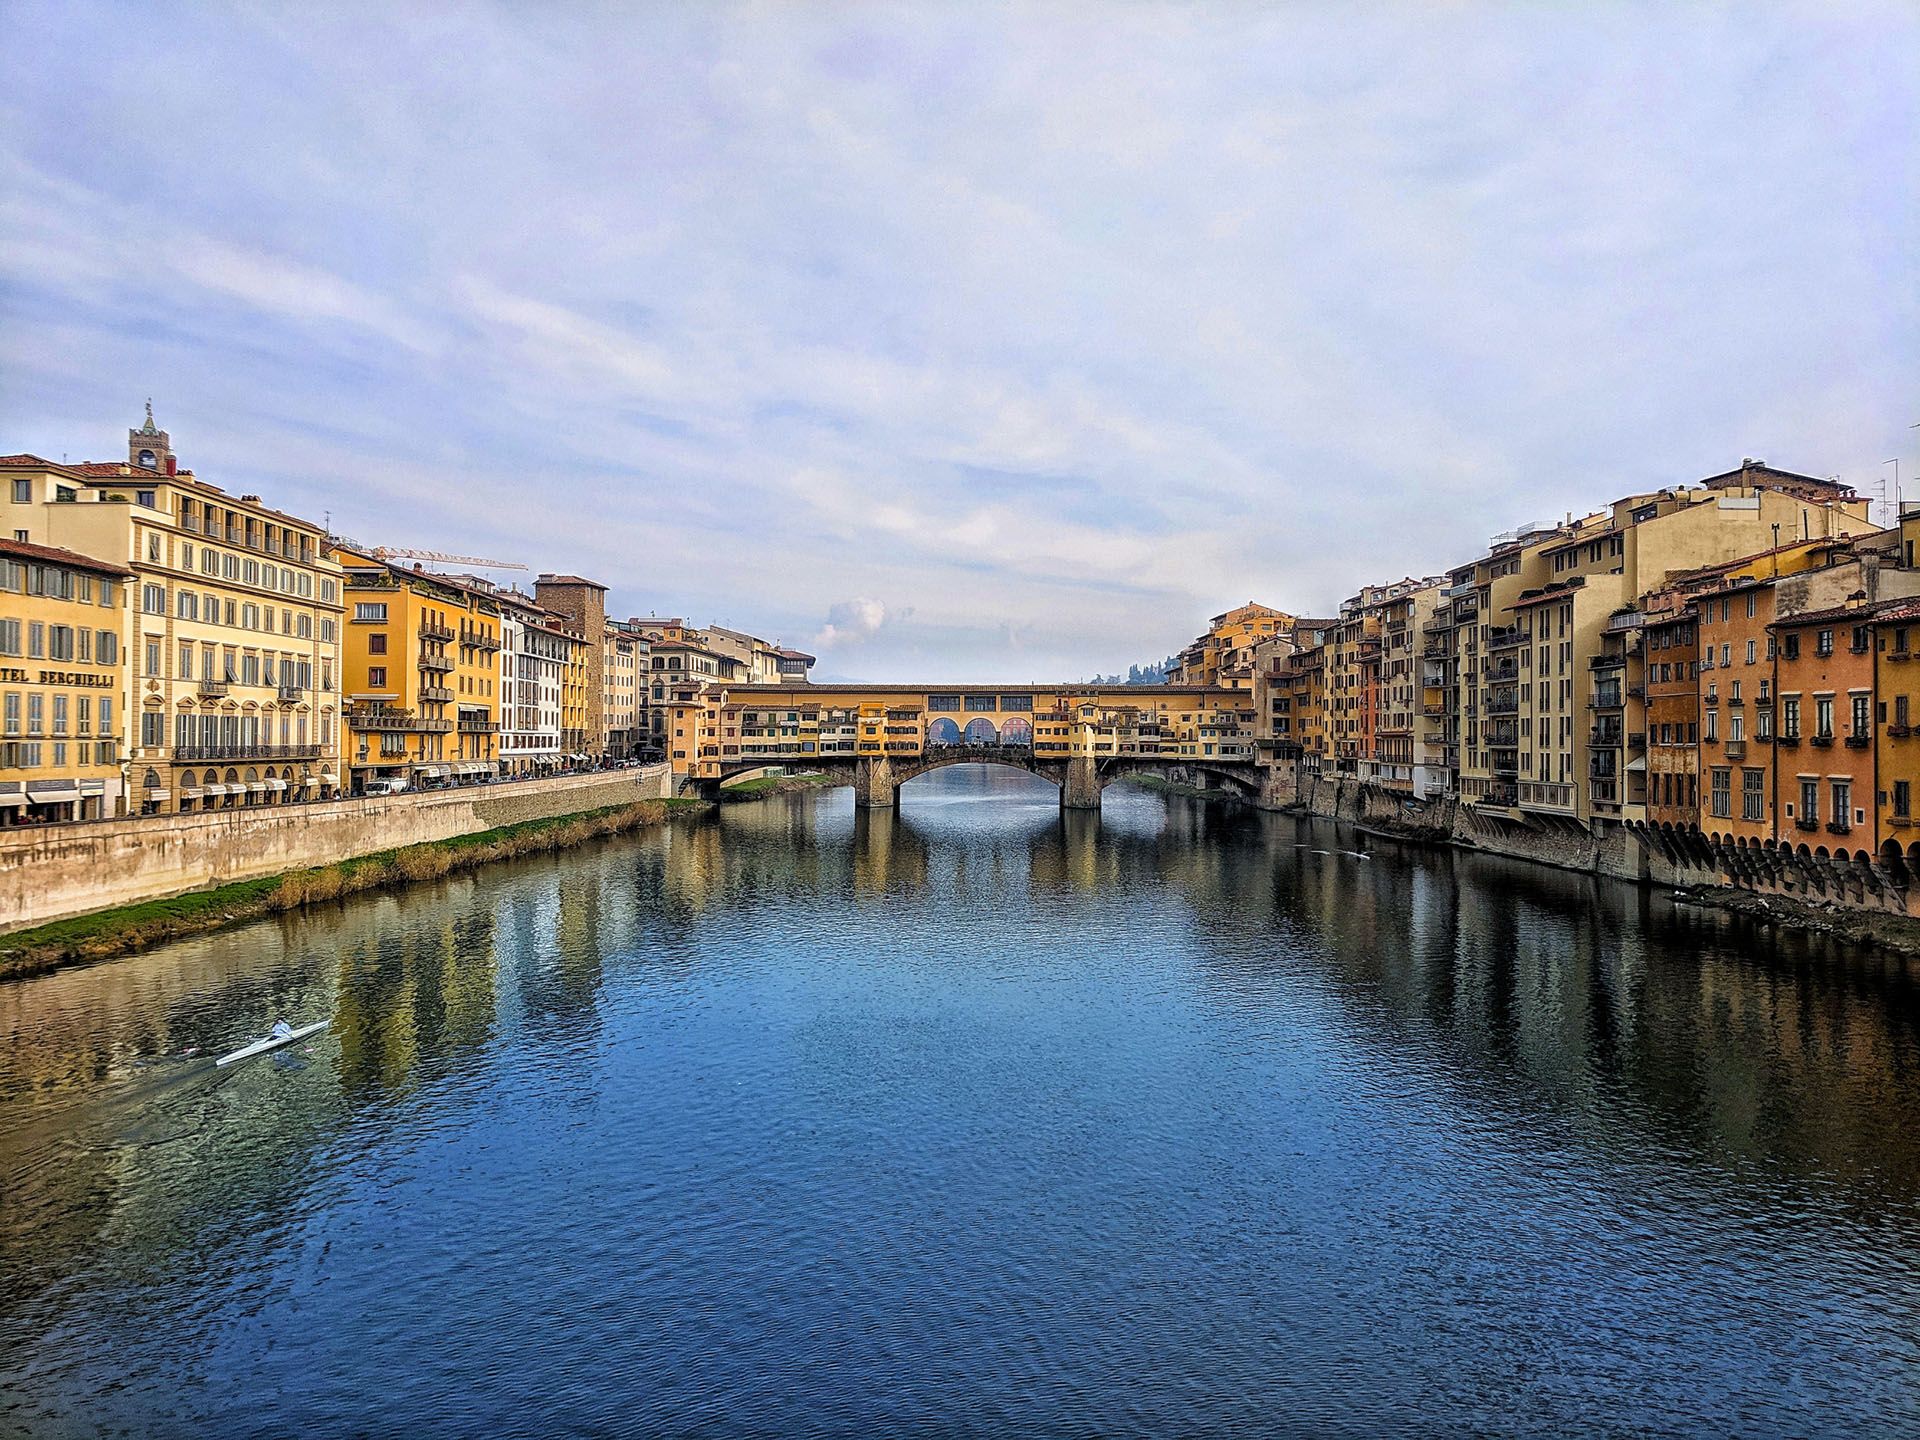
[(439, 664), (431, 631), (1824, 742), (1788, 742), (1607, 737), (214, 687), (1899, 731), (1626, 620), (439, 693), (478, 725), (291, 694), (1606, 662), (1806, 822), (1858, 741), (1505, 637), (1736, 749), (1839, 827), (198, 753)]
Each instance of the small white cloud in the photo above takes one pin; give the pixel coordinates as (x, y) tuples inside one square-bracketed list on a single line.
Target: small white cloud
[(851, 622)]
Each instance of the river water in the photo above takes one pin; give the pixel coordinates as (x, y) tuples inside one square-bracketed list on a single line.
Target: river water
[(970, 1119)]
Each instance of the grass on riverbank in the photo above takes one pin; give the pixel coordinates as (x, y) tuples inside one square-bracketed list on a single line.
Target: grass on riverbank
[(777, 785), (107, 933)]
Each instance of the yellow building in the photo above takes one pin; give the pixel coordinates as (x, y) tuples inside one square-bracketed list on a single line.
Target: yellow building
[(1532, 617), (1224, 655), (63, 685), (422, 682), (230, 633), (624, 655)]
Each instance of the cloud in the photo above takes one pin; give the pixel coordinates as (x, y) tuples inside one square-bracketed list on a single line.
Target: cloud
[(851, 622), (1060, 330)]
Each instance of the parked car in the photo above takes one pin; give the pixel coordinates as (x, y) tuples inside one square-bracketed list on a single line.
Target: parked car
[(386, 785)]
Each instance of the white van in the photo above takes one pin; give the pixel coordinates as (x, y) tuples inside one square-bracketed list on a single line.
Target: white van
[(386, 785)]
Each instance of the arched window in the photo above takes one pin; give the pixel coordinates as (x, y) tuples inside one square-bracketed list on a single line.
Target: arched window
[(147, 462)]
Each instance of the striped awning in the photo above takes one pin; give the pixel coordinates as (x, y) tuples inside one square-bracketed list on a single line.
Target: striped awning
[(327, 777), (156, 792), (52, 792), (258, 787), (12, 799), (274, 782), (434, 772), (218, 789), (187, 792)]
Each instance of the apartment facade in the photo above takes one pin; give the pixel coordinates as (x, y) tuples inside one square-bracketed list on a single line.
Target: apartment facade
[(231, 633), (533, 661), (63, 685), (422, 674), (583, 605)]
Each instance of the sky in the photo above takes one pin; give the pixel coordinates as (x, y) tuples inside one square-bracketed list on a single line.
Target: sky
[(962, 341)]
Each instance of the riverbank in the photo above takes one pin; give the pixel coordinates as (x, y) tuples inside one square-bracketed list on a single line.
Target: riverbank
[(777, 785), (128, 928)]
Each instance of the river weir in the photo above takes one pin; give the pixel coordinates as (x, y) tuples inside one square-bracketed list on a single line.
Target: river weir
[(971, 1117)]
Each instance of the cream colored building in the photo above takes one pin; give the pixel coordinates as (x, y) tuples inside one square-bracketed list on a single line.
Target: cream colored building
[(1537, 613), (232, 632)]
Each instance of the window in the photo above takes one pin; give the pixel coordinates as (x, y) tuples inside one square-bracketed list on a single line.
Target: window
[(1721, 794), (153, 728), (377, 676), (1790, 647), (1902, 799), (60, 642), (1823, 717), (23, 492), (153, 657), (186, 605), (1753, 648), (1753, 798), (1713, 725), (153, 600), (1763, 724), (1862, 724), (377, 643), (9, 637), (1790, 717), (372, 612), (1751, 598), (1823, 643), (1842, 802), (1810, 802)]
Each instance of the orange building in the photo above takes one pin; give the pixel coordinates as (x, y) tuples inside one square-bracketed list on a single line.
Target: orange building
[(1825, 755), (1896, 709), (1673, 717)]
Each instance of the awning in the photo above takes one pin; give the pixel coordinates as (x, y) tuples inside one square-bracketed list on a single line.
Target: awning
[(1639, 762), (433, 772), (258, 787), (187, 792), (213, 790), (473, 768), (12, 799), (155, 792), (52, 792), (93, 787), (327, 777), (274, 782)]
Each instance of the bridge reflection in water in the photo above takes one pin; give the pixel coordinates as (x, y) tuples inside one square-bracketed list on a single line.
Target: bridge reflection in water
[(1467, 1116)]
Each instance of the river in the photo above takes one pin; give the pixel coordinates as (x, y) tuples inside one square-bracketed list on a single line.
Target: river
[(970, 1119)]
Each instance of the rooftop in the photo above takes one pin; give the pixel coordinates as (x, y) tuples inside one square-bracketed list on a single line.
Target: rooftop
[(53, 555)]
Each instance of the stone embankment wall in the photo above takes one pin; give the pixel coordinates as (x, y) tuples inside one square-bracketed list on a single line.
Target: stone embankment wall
[(1622, 852), (54, 871)]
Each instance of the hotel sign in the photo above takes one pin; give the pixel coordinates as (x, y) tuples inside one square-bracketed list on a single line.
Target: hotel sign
[(12, 675)]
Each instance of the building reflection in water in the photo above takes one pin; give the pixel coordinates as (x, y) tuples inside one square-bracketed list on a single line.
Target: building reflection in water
[(1624, 1022)]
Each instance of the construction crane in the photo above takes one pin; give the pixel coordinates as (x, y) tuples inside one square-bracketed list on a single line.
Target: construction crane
[(390, 552)]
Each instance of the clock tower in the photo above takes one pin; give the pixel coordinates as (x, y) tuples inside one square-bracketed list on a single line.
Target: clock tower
[(148, 447)]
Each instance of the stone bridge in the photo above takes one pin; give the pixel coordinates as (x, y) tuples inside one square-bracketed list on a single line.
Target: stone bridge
[(1081, 737), (877, 779)]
